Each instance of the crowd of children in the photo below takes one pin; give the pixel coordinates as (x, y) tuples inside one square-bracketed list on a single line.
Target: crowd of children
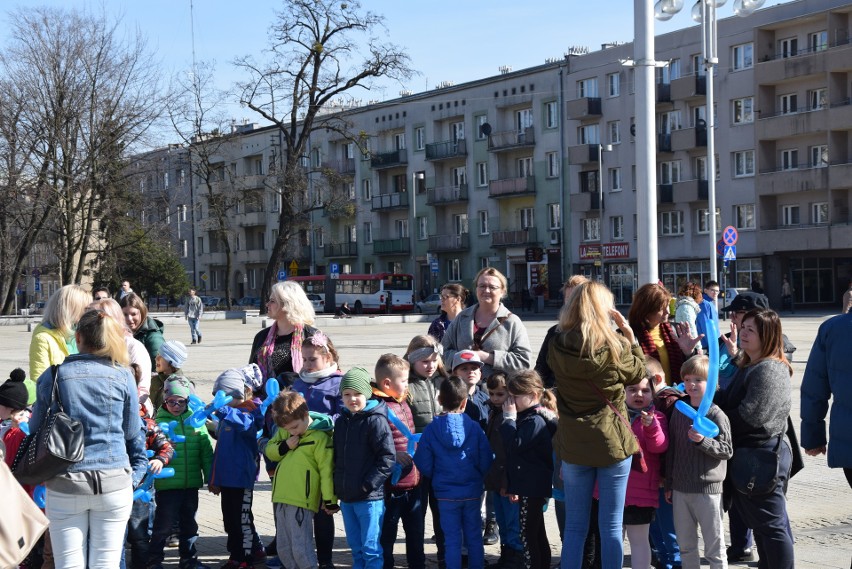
[(382, 448)]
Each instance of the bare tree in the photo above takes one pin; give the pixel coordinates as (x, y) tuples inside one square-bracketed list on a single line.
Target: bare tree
[(320, 51)]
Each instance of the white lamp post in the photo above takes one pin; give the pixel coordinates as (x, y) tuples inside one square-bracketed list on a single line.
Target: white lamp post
[(601, 149), (704, 12)]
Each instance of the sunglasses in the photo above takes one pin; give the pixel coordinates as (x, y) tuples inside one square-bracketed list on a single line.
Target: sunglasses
[(175, 402)]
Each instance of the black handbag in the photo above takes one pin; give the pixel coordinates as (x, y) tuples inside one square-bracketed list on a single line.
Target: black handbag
[(53, 448), (754, 471)]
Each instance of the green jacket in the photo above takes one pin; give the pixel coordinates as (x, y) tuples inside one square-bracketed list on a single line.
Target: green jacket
[(193, 457), (303, 476), (590, 433), (150, 333)]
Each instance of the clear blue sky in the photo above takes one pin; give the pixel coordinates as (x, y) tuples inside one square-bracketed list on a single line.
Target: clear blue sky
[(447, 40)]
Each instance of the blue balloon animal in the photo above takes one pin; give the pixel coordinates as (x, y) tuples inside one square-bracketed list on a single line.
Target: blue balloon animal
[(396, 472), (39, 493), (200, 416), (25, 427), (143, 492), (170, 430), (700, 422), (273, 388)]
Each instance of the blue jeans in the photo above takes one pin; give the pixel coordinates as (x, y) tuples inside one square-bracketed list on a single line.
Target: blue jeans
[(406, 506), (462, 518), (175, 505), (508, 521), (579, 485), (363, 524), (193, 328), (138, 534), (663, 533)]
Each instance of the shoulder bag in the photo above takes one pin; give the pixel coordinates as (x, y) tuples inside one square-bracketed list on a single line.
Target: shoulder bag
[(22, 522), (754, 471), (53, 448)]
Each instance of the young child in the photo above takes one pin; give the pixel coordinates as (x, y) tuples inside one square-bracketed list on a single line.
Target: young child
[(496, 482), (302, 447), (13, 408), (169, 361), (454, 452), (236, 464), (363, 459), (403, 500), (695, 469), (177, 496), (527, 431), (643, 488), (468, 366)]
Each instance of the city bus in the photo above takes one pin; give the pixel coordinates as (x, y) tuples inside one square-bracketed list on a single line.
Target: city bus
[(380, 292)]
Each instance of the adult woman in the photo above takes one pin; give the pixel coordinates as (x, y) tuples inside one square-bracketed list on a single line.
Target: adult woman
[(135, 349), (146, 329), (453, 299), (497, 336), (95, 496), (648, 318), (53, 339), (541, 362), (592, 364), (758, 403), (687, 306)]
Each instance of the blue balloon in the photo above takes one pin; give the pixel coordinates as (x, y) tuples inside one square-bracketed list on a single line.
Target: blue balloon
[(143, 492), (25, 427), (170, 430), (200, 416), (273, 388), (39, 493), (413, 439), (700, 422)]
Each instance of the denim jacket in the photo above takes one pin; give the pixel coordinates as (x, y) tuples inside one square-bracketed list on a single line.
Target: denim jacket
[(104, 399)]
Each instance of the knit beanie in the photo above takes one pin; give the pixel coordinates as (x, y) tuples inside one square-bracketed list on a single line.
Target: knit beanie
[(358, 379), (173, 352), (177, 386), (232, 382), (13, 393)]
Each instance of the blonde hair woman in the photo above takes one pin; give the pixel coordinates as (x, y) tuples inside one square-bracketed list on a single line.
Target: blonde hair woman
[(592, 363), (53, 339)]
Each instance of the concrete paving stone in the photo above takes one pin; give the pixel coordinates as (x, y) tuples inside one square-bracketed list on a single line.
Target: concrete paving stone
[(819, 499)]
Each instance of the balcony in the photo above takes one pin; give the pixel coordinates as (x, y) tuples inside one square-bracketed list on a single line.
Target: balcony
[(797, 67), (391, 246), (449, 243), (689, 191), (345, 166), (215, 259), (389, 159), (397, 200), (584, 108), (514, 237), (511, 139), (446, 195), (689, 138), (784, 125), (251, 181), (794, 238), (584, 154), (664, 93), (252, 219), (510, 187), (665, 193), (585, 201), (689, 87), (839, 176), (664, 142), (446, 150), (338, 250), (840, 112), (803, 179), (252, 256)]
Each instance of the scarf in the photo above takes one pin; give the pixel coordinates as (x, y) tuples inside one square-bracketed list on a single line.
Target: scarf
[(676, 357), (311, 377), (633, 414), (263, 357)]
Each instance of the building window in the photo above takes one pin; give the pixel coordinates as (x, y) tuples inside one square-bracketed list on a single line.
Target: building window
[(788, 103), (698, 115), (349, 150), (552, 161), (454, 269), (615, 179), (182, 209), (818, 99), (482, 174), (671, 223), (457, 131), (614, 130), (419, 138), (789, 215), (320, 236), (587, 88), (399, 141), (166, 180), (257, 166), (480, 120), (616, 227), (525, 167), (743, 163), (422, 228), (252, 279), (591, 229), (818, 41), (420, 182), (460, 224), (613, 84), (199, 245), (744, 110), (401, 226), (350, 190), (789, 159), (368, 232), (588, 134), (551, 114), (181, 176), (483, 222), (184, 249), (742, 56), (459, 176), (367, 189), (819, 213), (670, 121), (554, 217), (702, 221), (670, 172), (744, 216), (788, 47), (526, 217), (819, 156)]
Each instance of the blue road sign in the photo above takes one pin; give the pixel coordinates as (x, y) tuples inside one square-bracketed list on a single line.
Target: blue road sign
[(335, 268), (282, 275), (729, 235), (720, 247), (730, 253), (434, 265)]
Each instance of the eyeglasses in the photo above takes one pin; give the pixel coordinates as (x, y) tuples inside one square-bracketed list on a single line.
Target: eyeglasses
[(175, 402), (447, 296), (489, 287), (716, 290)]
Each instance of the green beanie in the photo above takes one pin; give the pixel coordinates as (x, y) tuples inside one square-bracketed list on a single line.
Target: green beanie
[(358, 379)]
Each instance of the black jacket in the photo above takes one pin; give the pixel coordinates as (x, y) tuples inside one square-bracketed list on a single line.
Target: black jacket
[(363, 453), (529, 452)]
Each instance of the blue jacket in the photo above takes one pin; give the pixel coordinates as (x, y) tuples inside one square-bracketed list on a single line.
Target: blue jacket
[(322, 396), (454, 452), (103, 397), (529, 452), (236, 459), (363, 453), (478, 407), (708, 312), (829, 375)]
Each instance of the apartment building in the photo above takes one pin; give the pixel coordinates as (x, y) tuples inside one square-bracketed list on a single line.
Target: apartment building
[(507, 171)]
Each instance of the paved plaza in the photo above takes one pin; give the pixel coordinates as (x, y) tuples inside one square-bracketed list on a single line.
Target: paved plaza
[(820, 501)]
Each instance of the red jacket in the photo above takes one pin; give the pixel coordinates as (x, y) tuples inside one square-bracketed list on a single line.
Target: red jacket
[(410, 476)]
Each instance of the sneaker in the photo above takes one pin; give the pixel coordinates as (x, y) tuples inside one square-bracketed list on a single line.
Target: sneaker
[(199, 339), (740, 555), (271, 549), (490, 536), (173, 541)]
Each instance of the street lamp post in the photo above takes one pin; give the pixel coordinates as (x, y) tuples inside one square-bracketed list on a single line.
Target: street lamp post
[(601, 149)]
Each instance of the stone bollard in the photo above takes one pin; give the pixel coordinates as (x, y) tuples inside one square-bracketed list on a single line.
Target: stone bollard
[(262, 323), (245, 318), (30, 325)]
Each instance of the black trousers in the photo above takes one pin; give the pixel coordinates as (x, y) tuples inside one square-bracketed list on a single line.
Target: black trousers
[(239, 521), (533, 533)]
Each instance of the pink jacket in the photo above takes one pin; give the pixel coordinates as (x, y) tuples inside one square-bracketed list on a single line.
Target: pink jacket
[(643, 488)]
